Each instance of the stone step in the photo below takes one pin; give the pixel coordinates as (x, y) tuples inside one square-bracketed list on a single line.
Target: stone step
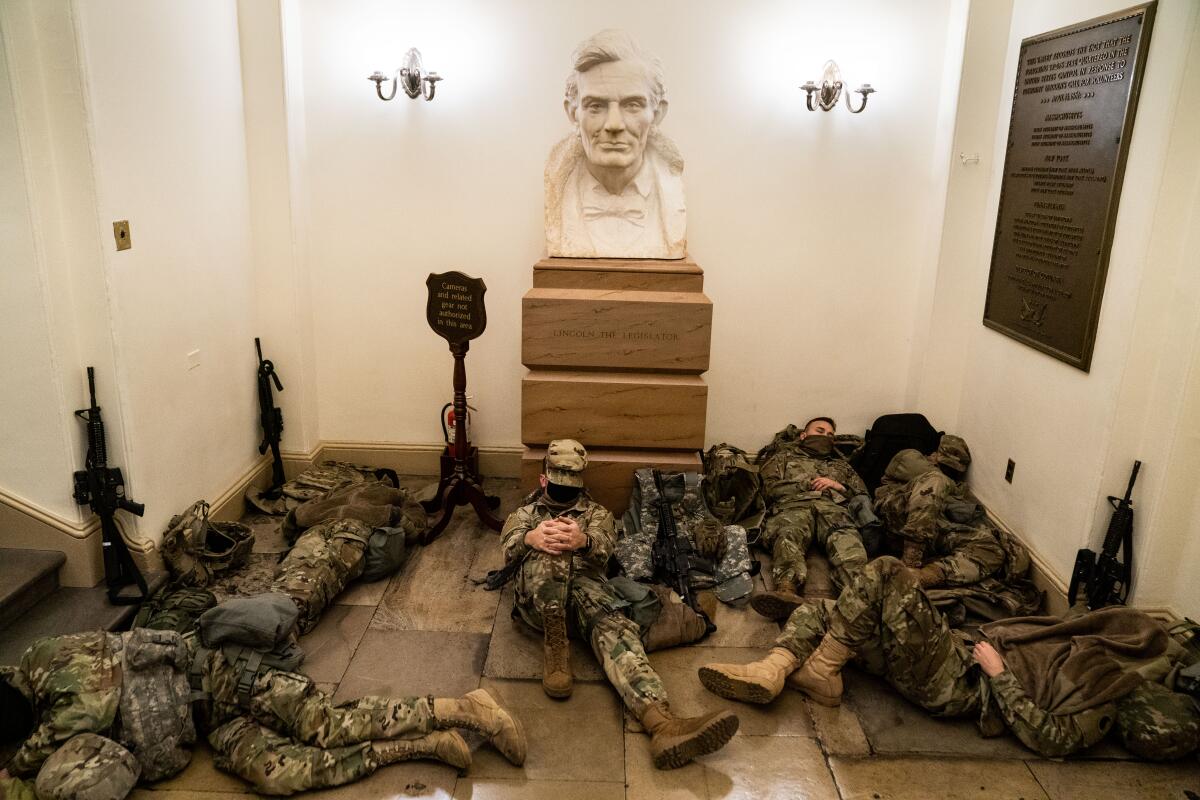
[(68, 610), (26, 576)]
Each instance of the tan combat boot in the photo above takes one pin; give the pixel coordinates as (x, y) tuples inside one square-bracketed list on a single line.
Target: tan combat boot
[(557, 680), (676, 741), (821, 676), (478, 711), (445, 746), (780, 603), (914, 554), (756, 682), (931, 575)]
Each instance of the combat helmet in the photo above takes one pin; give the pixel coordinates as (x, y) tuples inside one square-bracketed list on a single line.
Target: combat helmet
[(197, 550)]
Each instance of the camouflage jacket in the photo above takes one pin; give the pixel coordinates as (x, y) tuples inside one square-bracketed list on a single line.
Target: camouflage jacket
[(593, 519), (913, 495), (131, 687), (73, 683), (787, 477)]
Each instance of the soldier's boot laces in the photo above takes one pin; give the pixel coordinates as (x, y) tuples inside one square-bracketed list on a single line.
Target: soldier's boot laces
[(449, 747), (478, 711), (931, 575), (756, 682), (674, 741), (557, 680), (780, 603), (914, 554), (821, 676)]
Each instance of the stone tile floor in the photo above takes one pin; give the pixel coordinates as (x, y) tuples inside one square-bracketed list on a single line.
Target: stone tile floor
[(431, 629)]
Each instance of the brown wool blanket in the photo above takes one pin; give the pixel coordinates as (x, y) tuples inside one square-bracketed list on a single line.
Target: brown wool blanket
[(1067, 666), (373, 503)]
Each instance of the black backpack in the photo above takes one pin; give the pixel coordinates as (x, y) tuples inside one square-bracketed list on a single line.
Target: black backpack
[(887, 436)]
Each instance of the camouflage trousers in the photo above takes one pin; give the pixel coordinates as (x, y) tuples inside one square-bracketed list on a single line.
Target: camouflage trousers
[(288, 736), (548, 583), (792, 529), (897, 634), (324, 559)]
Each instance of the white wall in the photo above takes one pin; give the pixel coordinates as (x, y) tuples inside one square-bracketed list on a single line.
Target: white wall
[(837, 212), (1057, 423), (164, 96)]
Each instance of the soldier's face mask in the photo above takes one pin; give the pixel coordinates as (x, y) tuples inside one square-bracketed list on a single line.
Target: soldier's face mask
[(817, 445), (562, 494)]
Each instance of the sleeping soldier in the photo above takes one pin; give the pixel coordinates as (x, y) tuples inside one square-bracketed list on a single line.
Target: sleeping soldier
[(273, 728), (1058, 685), (808, 487), (562, 540)]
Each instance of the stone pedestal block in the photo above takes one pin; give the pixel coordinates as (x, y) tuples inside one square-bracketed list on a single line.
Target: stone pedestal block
[(610, 471), (618, 274), (614, 409)]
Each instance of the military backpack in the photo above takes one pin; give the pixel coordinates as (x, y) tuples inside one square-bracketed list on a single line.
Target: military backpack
[(177, 610)]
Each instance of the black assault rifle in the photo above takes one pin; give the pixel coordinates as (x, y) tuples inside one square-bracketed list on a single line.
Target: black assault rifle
[(671, 555), (1106, 580), (271, 419), (103, 488)]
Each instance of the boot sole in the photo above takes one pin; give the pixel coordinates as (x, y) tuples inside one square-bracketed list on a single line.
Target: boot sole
[(733, 689), (710, 739), (774, 607)]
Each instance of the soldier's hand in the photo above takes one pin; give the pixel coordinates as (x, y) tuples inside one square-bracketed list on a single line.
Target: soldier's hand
[(988, 659), (821, 484), (567, 535), (544, 537), (4, 775)]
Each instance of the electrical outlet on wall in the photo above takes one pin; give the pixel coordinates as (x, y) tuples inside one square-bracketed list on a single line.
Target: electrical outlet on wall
[(1008, 471)]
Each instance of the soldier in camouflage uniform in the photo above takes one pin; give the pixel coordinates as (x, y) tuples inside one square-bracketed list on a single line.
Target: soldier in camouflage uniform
[(277, 731), (562, 540), (721, 556), (913, 502), (808, 486), (885, 621)]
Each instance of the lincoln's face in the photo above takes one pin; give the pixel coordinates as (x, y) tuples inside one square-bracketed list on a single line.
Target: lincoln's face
[(614, 114)]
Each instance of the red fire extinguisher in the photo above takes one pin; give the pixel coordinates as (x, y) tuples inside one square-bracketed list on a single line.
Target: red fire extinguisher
[(457, 448)]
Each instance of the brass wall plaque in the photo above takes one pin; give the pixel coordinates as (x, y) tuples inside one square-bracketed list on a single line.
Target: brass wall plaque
[(455, 307), (1073, 108)]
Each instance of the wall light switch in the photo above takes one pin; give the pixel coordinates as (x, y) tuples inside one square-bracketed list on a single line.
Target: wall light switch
[(121, 234), (193, 359)]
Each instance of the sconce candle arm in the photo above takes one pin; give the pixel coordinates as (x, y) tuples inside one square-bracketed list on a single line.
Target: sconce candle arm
[(408, 77), (864, 90)]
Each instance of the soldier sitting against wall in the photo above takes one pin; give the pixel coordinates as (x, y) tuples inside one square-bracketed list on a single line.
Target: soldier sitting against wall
[(562, 540), (273, 728), (808, 487), (1058, 685)]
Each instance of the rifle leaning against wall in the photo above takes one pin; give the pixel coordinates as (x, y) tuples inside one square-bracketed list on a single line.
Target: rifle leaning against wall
[(103, 488), (271, 419), (1105, 579), (671, 555)]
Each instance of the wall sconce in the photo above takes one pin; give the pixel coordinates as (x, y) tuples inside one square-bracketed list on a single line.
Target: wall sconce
[(830, 90), (409, 78)]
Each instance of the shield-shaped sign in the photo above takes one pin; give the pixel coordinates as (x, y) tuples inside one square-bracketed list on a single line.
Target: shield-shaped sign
[(455, 308)]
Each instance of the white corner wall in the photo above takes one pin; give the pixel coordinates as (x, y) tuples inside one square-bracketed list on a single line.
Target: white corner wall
[(1061, 426), (813, 229), (164, 100)]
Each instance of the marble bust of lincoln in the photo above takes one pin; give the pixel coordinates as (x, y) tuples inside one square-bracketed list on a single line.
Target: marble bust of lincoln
[(614, 187)]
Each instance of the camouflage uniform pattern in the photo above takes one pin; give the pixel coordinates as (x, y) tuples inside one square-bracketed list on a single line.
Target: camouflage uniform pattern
[(797, 516), (88, 767), (73, 683), (314, 482), (576, 582), (288, 735), (196, 550), (324, 559), (898, 634), (1158, 724), (913, 500), (732, 489), (722, 555)]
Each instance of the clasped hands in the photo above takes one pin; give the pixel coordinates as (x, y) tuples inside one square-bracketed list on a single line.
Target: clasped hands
[(557, 535)]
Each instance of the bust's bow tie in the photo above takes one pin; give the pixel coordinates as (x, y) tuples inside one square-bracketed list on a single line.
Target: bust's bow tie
[(617, 207)]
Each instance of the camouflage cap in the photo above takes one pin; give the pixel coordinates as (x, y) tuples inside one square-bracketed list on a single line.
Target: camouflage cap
[(565, 461), (953, 452), (1158, 724), (88, 767)]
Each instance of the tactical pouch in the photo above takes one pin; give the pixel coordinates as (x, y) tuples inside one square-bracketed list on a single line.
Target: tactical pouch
[(385, 553), (262, 622), (177, 610)]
